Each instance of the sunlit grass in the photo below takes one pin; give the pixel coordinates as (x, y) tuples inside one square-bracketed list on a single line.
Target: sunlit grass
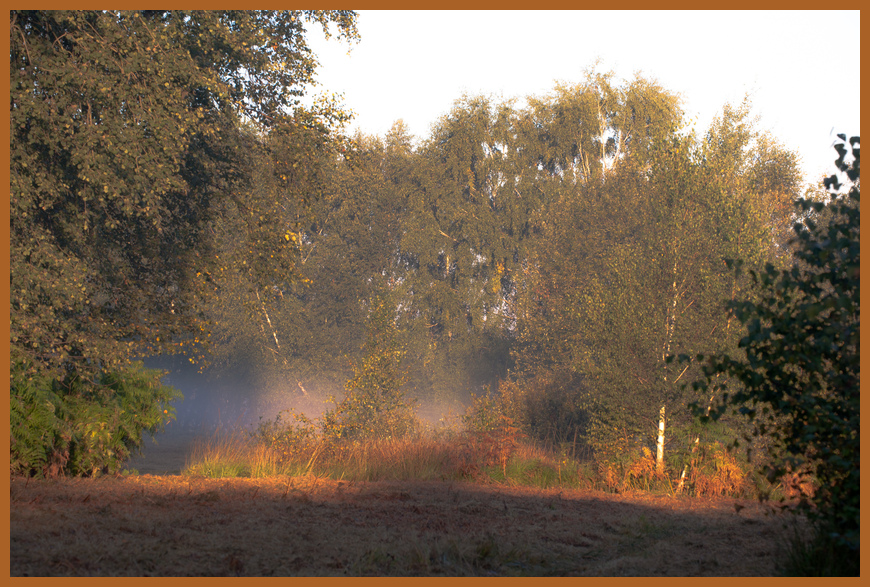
[(448, 455), (232, 453), (422, 457), (221, 455), (394, 459)]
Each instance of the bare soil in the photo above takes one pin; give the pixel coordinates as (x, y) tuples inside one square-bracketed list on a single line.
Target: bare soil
[(145, 525)]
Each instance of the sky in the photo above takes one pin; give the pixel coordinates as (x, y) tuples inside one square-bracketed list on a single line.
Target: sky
[(801, 69)]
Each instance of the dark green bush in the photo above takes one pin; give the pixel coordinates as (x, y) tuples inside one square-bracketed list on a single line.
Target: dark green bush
[(800, 380), (549, 409), (554, 408), (39, 439), (78, 427)]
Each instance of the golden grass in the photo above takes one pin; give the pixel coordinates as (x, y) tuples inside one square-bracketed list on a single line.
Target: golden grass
[(466, 456), (423, 457), (718, 473)]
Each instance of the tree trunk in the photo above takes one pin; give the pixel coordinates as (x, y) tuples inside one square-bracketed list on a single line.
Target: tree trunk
[(660, 444), (694, 450), (268, 320)]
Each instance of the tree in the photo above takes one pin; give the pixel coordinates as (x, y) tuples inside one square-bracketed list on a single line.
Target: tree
[(302, 335), (258, 267), (126, 149), (464, 234), (799, 382), (583, 131), (123, 145), (631, 270)]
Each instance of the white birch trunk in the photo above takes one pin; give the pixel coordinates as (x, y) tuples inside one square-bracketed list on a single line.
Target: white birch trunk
[(602, 128), (670, 325), (694, 450), (660, 444), (268, 321)]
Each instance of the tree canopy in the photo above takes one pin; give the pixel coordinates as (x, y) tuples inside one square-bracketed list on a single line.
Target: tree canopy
[(128, 145), (150, 151)]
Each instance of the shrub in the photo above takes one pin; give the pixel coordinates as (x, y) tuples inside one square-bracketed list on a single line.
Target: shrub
[(717, 472), (634, 469), (289, 435), (484, 413), (800, 379), (549, 407), (375, 404), (79, 427), (39, 438)]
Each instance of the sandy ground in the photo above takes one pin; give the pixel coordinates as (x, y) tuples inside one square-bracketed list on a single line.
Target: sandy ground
[(281, 526)]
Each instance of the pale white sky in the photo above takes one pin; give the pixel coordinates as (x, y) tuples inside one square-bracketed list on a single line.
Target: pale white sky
[(801, 68)]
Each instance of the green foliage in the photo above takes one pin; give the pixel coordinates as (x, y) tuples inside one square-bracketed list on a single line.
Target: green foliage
[(375, 404), (76, 427), (251, 285), (150, 151), (485, 412), (36, 427), (305, 330), (799, 382), (630, 270), (125, 143)]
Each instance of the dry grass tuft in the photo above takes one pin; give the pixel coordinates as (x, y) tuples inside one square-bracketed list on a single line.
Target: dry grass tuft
[(717, 472), (638, 472), (643, 468), (797, 484)]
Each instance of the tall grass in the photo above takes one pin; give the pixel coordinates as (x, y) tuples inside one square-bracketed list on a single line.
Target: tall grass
[(432, 456), (223, 454), (426, 457), (295, 447)]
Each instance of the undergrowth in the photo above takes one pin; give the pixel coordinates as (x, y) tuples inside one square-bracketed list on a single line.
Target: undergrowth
[(293, 444), (83, 426)]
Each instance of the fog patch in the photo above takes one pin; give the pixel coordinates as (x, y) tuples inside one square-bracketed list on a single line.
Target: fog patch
[(218, 400), (440, 415)]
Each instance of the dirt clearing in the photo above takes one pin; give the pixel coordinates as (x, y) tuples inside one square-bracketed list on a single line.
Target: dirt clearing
[(177, 525)]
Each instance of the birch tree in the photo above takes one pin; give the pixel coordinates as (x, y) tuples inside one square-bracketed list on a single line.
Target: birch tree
[(638, 268)]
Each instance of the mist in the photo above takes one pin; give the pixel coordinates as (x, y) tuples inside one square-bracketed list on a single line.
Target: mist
[(219, 400)]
